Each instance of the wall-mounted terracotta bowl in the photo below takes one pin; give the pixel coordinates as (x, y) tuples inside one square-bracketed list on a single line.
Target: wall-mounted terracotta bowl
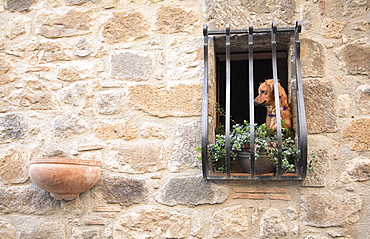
[(64, 178)]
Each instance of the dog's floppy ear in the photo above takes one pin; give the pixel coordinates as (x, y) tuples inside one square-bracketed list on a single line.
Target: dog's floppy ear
[(283, 96)]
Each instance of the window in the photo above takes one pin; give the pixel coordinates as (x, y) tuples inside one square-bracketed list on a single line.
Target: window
[(238, 61)]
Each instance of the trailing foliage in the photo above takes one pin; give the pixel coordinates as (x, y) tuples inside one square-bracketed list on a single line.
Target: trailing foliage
[(264, 140)]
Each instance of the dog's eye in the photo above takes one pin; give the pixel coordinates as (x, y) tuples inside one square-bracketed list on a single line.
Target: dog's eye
[(263, 92)]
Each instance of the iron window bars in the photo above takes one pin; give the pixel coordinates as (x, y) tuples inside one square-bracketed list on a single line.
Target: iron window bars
[(301, 165)]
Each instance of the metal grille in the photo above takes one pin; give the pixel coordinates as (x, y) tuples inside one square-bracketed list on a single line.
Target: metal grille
[(301, 164)]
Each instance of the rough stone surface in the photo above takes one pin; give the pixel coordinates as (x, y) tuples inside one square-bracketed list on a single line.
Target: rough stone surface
[(155, 222), (108, 102), (353, 62), (26, 200), (123, 191), (13, 167), (363, 99), (240, 13), (331, 210), (147, 158), (358, 169), (273, 225), (123, 27), (312, 58), (125, 130), (64, 126), (18, 5), (230, 222), (72, 23), (183, 154), (357, 134), (12, 126), (319, 97), (332, 28), (33, 94), (7, 230), (122, 62), (191, 191), (173, 20), (179, 100)]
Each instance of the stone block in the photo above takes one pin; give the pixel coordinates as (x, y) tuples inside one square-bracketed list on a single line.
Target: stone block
[(191, 191), (26, 200), (141, 158), (7, 230), (17, 27), (239, 13), (363, 94), (331, 210), (122, 190), (122, 65), (125, 27), (332, 28), (273, 225), (183, 153), (353, 62), (13, 167), (69, 74), (108, 102), (39, 227), (125, 130), (229, 222), (174, 20), (312, 58), (64, 126), (357, 169), (319, 104), (12, 126), (357, 134), (178, 100), (33, 94), (324, 150), (154, 222), (56, 25), (356, 8), (16, 5)]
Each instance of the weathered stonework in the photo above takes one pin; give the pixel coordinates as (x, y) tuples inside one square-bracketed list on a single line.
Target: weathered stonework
[(122, 190), (176, 191), (332, 28), (122, 62), (26, 200), (174, 20), (125, 130), (319, 103), (157, 222), (357, 134), (230, 222), (332, 210), (13, 167), (273, 225), (312, 58), (123, 27), (178, 100), (121, 82)]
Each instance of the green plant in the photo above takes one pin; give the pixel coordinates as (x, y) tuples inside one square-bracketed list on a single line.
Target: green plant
[(265, 140)]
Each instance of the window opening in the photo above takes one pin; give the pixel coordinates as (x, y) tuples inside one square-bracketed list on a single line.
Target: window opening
[(242, 62)]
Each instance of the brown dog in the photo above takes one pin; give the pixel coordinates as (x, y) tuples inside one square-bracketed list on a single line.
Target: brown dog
[(266, 97)]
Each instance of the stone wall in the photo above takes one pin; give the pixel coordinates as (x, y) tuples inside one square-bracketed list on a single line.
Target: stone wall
[(120, 81)]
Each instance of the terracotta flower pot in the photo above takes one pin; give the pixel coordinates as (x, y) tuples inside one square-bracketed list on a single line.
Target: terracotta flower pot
[(64, 178)]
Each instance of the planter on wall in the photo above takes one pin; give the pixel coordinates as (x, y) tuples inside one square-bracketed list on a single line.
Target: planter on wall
[(64, 178), (262, 165)]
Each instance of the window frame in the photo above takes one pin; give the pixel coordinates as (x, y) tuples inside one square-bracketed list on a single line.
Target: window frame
[(301, 166)]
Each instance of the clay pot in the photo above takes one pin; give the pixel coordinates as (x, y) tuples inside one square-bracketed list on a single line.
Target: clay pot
[(262, 165), (64, 178)]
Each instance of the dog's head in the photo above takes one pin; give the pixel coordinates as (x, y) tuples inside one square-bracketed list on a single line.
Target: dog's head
[(266, 94)]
